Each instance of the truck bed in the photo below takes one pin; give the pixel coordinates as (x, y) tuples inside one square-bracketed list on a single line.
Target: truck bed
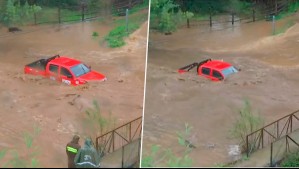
[(36, 68)]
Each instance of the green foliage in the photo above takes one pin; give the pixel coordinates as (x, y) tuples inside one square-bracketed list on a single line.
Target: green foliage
[(115, 38), (239, 7), (182, 136), (165, 15), (292, 8), (16, 14), (219, 165), (245, 124), (291, 160), (159, 157), (2, 153), (95, 34), (29, 159), (284, 28), (95, 122)]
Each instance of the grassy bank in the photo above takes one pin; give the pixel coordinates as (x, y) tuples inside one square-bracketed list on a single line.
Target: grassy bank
[(137, 16)]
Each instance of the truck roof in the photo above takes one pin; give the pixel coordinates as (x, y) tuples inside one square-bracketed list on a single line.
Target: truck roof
[(65, 61), (217, 64)]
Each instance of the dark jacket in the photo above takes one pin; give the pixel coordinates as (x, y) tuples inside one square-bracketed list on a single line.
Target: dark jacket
[(72, 149), (87, 157)]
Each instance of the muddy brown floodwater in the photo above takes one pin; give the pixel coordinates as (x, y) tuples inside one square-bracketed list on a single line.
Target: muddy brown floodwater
[(268, 78), (26, 100)]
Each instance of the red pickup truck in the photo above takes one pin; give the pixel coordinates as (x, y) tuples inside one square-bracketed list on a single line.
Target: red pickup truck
[(66, 70), (215, 70)]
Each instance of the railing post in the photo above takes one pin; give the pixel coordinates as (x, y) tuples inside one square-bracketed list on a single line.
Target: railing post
[(247, 146), (113, 140), (277, 123), (271, 153), (130, 134), (122, 156), (287, 144), (291, 121), (97, 144), (262, 135)]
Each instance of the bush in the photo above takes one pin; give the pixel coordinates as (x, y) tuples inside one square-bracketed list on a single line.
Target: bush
[(246, 124), (158, 157), (29, 160), (291, 160)]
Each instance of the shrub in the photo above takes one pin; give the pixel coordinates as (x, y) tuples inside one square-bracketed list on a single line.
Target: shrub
[(160, 157), (245, 124), (291, 160)]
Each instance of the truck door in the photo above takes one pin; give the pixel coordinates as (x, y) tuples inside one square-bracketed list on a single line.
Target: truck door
[(53, 72), (66, 76), (216, 75), (206, 72)]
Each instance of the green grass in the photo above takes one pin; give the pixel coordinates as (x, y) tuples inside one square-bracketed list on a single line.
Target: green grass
[(29, 159), (284, 28), (291, 160), (291, 10), (116, 36)]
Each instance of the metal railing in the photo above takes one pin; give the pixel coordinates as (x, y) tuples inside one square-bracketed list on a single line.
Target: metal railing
[(277, 156), (119, 137), (272, 132)]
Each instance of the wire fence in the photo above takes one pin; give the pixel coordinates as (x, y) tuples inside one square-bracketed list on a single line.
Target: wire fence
[(49, 16), (231, 18)]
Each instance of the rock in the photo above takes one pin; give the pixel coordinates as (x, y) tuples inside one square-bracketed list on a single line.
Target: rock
[(234, 152)]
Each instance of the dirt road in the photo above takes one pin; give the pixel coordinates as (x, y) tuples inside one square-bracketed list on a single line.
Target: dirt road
[(28, 100), (268, 79)]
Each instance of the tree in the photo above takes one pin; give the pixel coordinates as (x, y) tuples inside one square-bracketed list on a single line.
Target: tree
[(16, 14), (164, 14)]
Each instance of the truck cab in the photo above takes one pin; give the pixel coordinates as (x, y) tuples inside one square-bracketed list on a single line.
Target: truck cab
[(64, 69), (216, 70)]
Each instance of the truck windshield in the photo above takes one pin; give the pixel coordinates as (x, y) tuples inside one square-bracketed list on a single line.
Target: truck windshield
[(80, 69), (228, 71)]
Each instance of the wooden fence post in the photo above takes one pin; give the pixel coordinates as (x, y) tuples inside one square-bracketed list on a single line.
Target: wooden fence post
[(233, 18), (253, 15), (35, 20), (83, 11), (59, 17), (210, 17)]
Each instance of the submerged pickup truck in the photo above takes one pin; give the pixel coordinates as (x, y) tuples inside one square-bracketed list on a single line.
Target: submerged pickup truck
[(64, 69), (216, 70)]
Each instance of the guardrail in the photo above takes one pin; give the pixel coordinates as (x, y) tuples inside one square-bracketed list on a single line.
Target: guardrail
[(119, 137), (272, 132)]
